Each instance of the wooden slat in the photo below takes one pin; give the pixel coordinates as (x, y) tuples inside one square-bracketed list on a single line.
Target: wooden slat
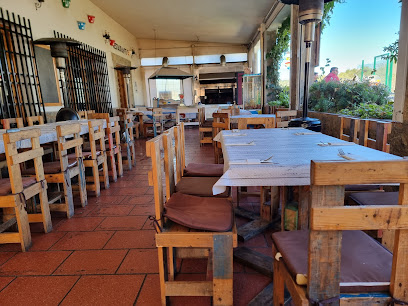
[(68, 129), (265, 297), (359, 217), (255, 260), (193, 239), (7, 224), (26, 134), (349, 173), (253, 228), (72, 143), (197, 288), (245, 213), (27, 155), (10, 238)]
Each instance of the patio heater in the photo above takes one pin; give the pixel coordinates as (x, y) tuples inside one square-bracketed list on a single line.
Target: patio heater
[(310, 14), (59, 51), (126, 75)]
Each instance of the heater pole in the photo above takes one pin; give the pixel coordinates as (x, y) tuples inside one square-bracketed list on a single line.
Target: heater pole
[(63, 87), (306, 82)]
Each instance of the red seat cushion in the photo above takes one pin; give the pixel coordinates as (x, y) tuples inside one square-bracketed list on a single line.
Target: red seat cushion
[(365, 264), (210, 214), (361, 187), (199, 186), (50, 168), (375, 198), (211, 170), (5, 185)]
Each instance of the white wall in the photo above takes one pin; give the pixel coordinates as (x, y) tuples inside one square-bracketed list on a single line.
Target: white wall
[(53, 16)]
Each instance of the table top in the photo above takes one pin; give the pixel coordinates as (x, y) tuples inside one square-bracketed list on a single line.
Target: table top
[(253, 116), (291, 149), (48, 132)]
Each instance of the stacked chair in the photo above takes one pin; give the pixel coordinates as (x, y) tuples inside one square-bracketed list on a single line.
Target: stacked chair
[(335, 262), (190, 226)]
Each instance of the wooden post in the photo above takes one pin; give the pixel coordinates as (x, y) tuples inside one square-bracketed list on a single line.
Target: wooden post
[(222, 270)]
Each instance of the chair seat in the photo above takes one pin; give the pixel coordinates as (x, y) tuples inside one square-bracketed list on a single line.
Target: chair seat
[(365, 264), (199, 186), (199, 170), (85, 155), (210, 214), (375, 198), (50, 168), (362, 187), (5, 185)]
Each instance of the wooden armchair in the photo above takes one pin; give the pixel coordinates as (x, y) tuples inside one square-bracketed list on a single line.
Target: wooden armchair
[(335, 262), (15, 191), (35, 119), (352, 125), (113, 148), (209, 232), (382, 130), (204, 127), (283, 117), (7, 123), (267, 123), (128, 148), (62, 172), (221, 122)]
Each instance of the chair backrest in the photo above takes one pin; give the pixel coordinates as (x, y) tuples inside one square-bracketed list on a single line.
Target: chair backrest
[(15, 158), (382, 130), (83, 114), (69, 138), (201, 116), (267, 122), (225, 111), (283, 117), (112, 126), (221, 122), (350, 125), (96, 133), (9, 121), (35, 119), (329, 217), (158, 114), (121, 112)]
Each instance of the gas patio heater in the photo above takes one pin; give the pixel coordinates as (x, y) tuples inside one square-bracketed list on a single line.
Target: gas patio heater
[(310, 14), (59, 51), (126, 75)]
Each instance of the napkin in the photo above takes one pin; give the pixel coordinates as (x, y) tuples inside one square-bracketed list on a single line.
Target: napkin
[(306, 133), (234, 134), (328, 144)]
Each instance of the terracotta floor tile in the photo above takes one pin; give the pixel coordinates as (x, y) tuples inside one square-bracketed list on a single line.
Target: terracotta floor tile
[(92, 262), (81, 212), (140, 261), (132, 240), (106, 199), (190, 300), (105, 290), (112, 210), (85, 224), (4, 281), (4, 256), (122, 223), (38, 290), (43, 242), (247, 286), (194, 265), (150, 292), (134, 191), (33, 263), (83, 241), (10, 247), (145, 199), (144, 210)]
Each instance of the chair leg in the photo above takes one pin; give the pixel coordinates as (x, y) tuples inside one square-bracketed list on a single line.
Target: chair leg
[(162, 274), (82, 185), (172, 264), (112, 164), (222, 270), (69, 199), (105, 173), (96, 181), (23, 226), (45, 210), (278, 282), (133, 153), (120, 164)]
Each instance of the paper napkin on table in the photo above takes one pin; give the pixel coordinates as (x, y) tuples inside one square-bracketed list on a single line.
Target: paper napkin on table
[(328, 144), (306, 133), (252, 143)]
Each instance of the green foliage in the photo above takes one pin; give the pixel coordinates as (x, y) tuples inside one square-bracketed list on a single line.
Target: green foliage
[(347, 97), (282, 98), (392, 49), (328, 11), (370, 110)]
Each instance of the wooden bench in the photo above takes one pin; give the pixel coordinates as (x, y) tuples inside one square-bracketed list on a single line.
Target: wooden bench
[(17, 190), (283, 117), (309, 262), (382, 130), (350, 125), (175, 240)]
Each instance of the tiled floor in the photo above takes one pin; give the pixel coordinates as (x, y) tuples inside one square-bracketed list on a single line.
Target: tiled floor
[(106, 255)]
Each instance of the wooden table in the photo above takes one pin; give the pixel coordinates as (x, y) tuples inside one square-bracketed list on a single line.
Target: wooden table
[(291, 151), (48, 132), (186, 110)]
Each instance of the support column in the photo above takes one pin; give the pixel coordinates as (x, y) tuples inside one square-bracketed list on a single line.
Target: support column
[(295, 43), (263, 62)]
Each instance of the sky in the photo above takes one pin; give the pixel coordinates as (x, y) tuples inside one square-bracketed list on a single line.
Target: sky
[(358, 30)]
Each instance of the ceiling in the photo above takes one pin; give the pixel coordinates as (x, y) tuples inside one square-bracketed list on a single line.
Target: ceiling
[(224, 21)]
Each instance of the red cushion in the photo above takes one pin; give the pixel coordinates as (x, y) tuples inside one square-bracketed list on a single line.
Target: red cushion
[(5, 185), (375, 198), (50, 168), (195, 169), (199, 186), (210, 214), (363, 260)]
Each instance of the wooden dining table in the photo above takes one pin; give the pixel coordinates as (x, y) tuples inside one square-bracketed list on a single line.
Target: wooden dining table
[(48, 132)]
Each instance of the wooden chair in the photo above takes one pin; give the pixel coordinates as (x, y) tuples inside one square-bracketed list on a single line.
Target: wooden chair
[(128, 148), (156, 124), (309, 262), (382, 130), (62, 172), (221, 122), (267, 123), (204, 127), (7, 123), (15, 192), (35, 119), (352, 125), (96, 157), (113, 149), (283, 117), (90, 112), (196, 238), (83, 114)]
